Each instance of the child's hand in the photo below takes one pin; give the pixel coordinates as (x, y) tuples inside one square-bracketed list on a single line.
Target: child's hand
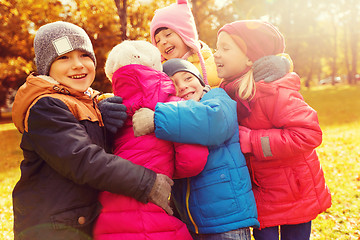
[(160, 192), (271, 68), (113, 113), (143, 122)]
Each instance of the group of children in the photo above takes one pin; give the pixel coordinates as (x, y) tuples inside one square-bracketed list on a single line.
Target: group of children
[(236, 146)]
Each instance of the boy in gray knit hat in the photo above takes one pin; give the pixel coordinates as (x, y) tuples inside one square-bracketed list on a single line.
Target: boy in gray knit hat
[(66, 155), (58, 38), (55, 39)]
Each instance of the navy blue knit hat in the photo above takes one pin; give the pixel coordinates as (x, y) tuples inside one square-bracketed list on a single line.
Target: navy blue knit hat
[(172, 66)]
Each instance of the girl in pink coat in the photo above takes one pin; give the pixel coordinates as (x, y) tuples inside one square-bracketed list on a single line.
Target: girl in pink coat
[(135, 70), (278, 133)]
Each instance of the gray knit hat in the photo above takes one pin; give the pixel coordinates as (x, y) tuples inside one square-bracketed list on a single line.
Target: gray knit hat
[(57, 38), (172, 66)]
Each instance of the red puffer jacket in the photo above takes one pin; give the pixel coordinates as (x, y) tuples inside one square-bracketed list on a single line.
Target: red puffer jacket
[(287, 178)]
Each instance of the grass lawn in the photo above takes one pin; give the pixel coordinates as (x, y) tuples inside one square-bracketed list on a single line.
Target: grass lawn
[(338, 108), (339, 115), (11, 156)]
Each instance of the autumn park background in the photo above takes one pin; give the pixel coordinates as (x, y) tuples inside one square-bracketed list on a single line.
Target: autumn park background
[(322, 38)]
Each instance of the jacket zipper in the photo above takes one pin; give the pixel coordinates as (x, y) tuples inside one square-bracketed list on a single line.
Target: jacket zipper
[(187, 206)]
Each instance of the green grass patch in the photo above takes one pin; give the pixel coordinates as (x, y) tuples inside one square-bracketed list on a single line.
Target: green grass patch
[(338, 108), (339, 115)]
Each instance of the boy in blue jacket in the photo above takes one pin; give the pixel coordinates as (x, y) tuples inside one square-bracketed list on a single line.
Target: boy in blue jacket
[(219, 202)]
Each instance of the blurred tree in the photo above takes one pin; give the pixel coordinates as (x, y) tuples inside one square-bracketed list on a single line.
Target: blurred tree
[(331, 9), (121, 6), (312, 31), (210, 15), (140, 15), (16, 38), (99, 19), (351, 24), (318, 46), (206, 15)]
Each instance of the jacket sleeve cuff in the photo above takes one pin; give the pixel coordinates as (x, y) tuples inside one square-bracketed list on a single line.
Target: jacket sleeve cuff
[(146, 185), (245, 141)]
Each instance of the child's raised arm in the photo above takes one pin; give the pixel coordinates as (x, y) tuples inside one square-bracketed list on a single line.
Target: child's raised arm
[(209, 122)]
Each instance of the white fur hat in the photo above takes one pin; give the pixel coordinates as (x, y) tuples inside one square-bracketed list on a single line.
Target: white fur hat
[(132, 52)]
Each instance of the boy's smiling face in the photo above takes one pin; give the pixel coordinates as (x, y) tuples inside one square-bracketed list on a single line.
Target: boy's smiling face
[(74, 69), (170, 44), (187, 86)]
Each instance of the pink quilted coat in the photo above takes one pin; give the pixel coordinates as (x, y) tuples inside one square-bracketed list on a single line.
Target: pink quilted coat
[(288, 181), (123, 217)]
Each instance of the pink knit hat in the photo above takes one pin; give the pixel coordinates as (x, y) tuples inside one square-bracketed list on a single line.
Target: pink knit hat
[(255, 38), (179, 18)]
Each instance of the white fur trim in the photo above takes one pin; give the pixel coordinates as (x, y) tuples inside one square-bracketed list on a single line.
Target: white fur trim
[(48, 79)]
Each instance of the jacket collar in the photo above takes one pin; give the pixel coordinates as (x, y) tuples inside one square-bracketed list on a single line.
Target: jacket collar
[(37, 86)]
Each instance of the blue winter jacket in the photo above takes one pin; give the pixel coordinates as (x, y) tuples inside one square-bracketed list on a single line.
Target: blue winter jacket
[(220, 198)]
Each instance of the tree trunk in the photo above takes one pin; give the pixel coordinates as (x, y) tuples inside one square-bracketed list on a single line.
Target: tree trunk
[(310, 73), (195, 11), (121, 6), (353, 44), (334, 57), (346, 54)]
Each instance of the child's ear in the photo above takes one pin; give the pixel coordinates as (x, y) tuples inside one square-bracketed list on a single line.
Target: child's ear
[(249, 63)]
